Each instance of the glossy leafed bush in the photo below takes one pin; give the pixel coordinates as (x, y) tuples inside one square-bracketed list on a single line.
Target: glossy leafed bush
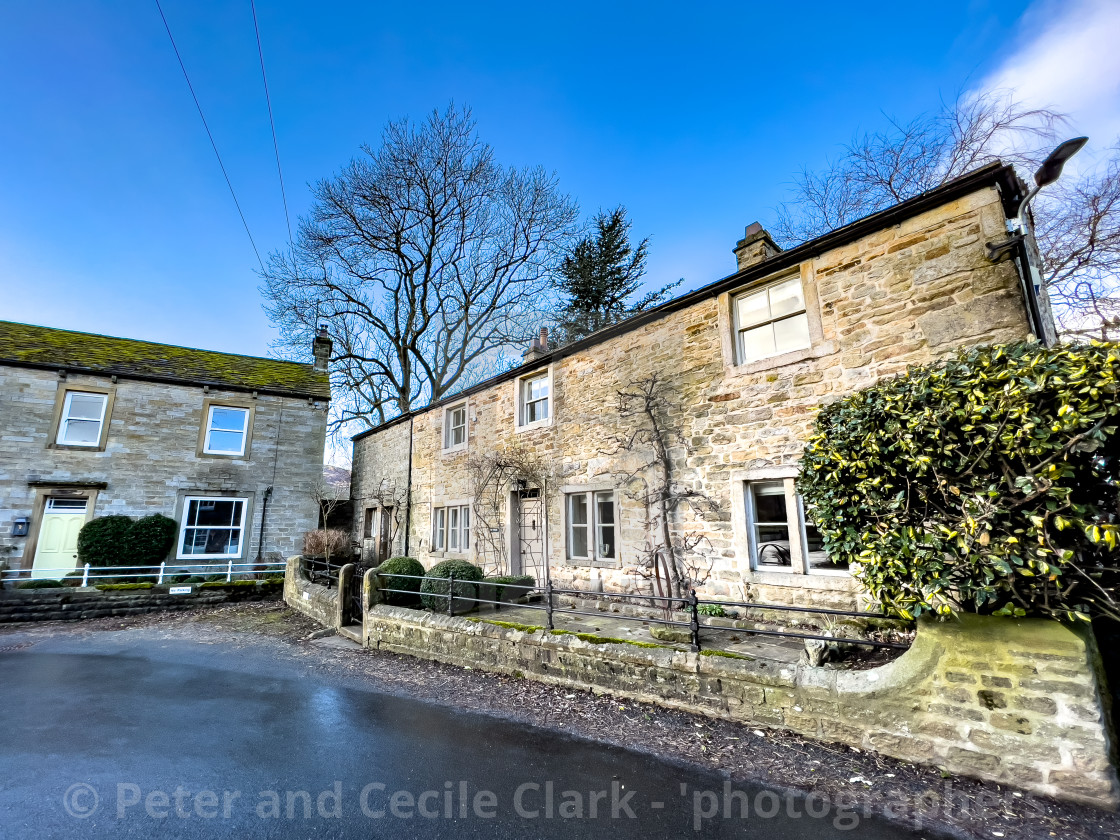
[(984, 483)]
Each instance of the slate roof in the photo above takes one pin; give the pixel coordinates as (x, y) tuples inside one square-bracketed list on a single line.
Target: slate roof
[(26, 345)]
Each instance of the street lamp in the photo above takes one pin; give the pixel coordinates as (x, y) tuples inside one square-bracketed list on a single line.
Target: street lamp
[(1030, 274), (1050, 171), (1046, 174)]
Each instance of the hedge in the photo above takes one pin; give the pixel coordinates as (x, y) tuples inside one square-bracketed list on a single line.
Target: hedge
[(987, 483)]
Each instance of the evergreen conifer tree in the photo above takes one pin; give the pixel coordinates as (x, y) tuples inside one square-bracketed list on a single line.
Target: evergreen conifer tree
[(600, 275)]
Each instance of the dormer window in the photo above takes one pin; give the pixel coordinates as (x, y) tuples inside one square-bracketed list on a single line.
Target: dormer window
[(535, 393), (770, 321)]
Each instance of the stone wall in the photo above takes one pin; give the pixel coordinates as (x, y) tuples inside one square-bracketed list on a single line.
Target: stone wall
[(314, 600), (69, 604), (908, 294), (1017, 702), (151, 461)]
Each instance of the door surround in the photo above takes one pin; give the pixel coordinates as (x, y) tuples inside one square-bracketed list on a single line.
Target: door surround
[(44, 491)]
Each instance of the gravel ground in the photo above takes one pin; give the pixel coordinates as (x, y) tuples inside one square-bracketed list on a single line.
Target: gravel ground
[(914, 796)]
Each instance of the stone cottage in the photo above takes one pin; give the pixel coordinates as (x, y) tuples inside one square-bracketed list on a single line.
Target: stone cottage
[(547, 470), (228, 446)]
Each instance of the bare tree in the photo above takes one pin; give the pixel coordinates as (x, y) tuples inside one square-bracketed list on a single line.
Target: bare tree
[(1077, 219), (428, 260), (329, 496)]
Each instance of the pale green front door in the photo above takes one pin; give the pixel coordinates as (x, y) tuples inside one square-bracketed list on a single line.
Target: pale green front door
[(56, 553)]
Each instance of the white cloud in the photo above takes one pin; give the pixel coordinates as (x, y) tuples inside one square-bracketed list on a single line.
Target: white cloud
[(1068, 58)]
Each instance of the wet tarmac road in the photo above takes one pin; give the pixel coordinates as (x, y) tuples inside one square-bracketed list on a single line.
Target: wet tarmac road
[(104, 738)]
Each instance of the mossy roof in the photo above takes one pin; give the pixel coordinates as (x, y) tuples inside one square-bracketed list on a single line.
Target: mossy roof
[(45, 347)]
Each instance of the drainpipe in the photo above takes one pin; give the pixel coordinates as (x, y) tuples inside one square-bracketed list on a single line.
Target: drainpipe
[(408, 492), (264, 513)]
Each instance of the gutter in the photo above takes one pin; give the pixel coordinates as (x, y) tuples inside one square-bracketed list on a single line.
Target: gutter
[(408, 489)]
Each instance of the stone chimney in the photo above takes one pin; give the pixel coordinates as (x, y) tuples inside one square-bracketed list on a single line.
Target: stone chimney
[(321, 348), (537, 347), (755, 246)]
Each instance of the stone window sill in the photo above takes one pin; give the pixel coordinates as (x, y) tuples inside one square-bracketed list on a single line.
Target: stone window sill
[(825, 348)]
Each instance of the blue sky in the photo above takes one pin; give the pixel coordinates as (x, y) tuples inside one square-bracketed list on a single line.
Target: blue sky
[(114, 216)]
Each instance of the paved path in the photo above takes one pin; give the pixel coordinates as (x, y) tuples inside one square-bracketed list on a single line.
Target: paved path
[(111, 735), (762, 647)]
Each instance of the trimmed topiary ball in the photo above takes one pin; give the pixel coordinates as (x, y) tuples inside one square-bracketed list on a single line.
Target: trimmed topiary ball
[(150, 540), (105, 541), (433, 590), (401, 566)]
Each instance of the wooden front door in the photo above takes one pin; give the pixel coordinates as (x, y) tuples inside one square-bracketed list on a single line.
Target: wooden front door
[(528, 559), (56, 551), (384, 531)]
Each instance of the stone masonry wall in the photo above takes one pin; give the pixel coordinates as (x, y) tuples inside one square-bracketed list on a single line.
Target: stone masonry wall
[(1016, 702), (314, 600), (382, 470), (905, 295), (150, 460), (78, 604)]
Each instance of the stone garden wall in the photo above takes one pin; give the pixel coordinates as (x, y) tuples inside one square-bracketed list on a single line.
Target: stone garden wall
[(314, 600), (73, 604), (1019, 702)]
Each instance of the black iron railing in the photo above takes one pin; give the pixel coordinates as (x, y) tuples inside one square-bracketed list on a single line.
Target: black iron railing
[(321, 571), (690, 604)]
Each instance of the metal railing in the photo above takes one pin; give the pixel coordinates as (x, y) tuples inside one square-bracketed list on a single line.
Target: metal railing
[(690, 604), (319, 570), (164, 573)]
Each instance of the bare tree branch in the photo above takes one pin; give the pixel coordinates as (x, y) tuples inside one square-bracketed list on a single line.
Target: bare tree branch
[(429, 261)]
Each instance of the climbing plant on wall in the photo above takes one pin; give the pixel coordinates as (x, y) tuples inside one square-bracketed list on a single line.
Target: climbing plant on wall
[(989, 482)]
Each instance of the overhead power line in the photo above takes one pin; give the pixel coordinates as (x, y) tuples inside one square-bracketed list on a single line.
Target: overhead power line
[(272, 122), (209, 134)]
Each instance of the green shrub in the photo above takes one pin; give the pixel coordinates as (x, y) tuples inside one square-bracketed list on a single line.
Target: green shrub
[(714, 610), (518, 586), (47, 584), (104, 541), (433, 589), (73, 579), (984, 483), (401, 566), (119, 587), (150, 539)]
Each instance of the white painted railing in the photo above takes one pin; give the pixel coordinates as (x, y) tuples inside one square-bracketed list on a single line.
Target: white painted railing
[(161, 574)]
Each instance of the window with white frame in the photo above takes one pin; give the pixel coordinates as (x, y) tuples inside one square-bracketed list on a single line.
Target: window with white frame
[(83, 414), (770, 321), (455, 426), (451, 529), (213, 528), (592, 531), (226, 430), (533, 399), (781, 532)]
